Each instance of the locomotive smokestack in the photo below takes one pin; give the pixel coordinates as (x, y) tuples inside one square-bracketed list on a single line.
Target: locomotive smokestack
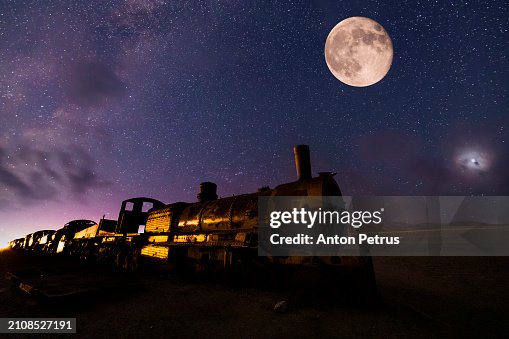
[(208, 191), (302, 161)]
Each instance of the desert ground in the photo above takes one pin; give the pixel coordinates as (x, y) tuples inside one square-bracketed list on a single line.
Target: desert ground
[(418, 297)]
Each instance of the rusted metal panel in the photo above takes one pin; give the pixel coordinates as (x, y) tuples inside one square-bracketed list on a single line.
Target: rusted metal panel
[(189, 220), (159, 221), (87, 233), (216, 215), (155, 252), (244, 214)]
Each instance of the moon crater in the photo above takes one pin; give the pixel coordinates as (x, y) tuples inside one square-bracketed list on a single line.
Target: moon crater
[(358, 52)]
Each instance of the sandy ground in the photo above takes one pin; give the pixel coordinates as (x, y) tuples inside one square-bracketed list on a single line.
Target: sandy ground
[(421, 297)]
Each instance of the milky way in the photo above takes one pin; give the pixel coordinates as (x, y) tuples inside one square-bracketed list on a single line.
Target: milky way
[(103, 100)]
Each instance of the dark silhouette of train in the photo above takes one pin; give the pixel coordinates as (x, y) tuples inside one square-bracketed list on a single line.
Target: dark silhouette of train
[(208, 235)]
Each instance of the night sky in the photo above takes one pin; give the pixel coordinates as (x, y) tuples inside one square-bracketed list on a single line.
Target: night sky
[(101, 101)]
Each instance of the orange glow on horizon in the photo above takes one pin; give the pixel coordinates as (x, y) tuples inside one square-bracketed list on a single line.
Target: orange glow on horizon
[(4, 244)]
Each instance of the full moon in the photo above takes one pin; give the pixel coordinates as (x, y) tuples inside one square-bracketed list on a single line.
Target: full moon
[(358, 51)]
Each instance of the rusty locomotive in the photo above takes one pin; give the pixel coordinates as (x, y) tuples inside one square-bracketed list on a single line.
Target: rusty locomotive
[(212, 234)]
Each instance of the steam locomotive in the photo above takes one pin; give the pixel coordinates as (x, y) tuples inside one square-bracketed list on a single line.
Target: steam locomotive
[(208, 235)]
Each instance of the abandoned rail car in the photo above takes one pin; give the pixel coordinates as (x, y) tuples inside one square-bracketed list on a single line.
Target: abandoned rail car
[(17, 243), (222, 234), (212, 234)]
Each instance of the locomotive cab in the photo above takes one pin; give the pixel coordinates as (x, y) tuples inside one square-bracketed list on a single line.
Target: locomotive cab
[(133, 214)]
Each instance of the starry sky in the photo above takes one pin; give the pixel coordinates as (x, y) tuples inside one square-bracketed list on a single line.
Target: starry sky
[(101, 101)]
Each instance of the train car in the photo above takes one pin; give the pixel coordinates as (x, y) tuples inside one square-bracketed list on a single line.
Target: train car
[(53, 241), (113, 240), (60, 240), (39, 239), (210, 235), (221, 234), (27, 243), (16, 243)]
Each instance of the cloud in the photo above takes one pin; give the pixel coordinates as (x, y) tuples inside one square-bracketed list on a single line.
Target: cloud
[(431, 172), (77, 167), (395, 162), (93, 83), (22, 182), (10, 180), (29, 174), (56, 110), (387, 145)]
